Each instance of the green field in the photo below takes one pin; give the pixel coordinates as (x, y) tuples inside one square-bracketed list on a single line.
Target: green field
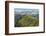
[(27, 21)]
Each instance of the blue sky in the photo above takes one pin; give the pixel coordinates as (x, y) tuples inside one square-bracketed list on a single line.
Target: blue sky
[(26, 10)]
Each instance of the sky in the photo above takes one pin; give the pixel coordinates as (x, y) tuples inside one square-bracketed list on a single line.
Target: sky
[(26, 11)]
